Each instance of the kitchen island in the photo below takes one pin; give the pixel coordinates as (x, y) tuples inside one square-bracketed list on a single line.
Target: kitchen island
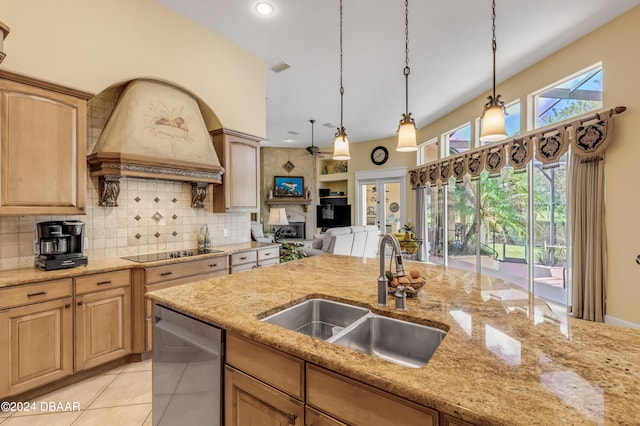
[(507, 359)]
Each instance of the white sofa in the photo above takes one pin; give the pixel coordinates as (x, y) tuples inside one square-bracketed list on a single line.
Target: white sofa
[(361, 241)]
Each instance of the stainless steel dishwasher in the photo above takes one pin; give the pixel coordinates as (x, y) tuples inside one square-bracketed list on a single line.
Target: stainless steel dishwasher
[(187, 370)]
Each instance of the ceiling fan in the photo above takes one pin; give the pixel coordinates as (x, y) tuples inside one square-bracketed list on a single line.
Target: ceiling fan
[(314, 150)]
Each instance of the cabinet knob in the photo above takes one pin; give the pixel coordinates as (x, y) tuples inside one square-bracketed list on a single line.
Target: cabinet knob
[(291, 419), (67, 306), (80, 303)]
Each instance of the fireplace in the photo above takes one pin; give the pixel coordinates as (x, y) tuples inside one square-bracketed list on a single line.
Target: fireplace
[(294, 230)]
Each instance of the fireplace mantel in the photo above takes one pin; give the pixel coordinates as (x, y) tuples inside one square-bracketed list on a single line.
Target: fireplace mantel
[(283, 201)]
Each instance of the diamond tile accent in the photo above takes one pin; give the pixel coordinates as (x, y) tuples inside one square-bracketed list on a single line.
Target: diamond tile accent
[(157, 217), (137, 217), (138, 236), (174, 233), (137, 199), (175, 200), (174, 217), (157, 235), (156, 199)]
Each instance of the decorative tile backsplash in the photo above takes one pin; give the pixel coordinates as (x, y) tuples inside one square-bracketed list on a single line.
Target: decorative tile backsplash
[(153, 215)]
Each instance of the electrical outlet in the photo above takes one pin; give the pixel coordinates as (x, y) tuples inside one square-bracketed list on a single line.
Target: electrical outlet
[(225, 232)]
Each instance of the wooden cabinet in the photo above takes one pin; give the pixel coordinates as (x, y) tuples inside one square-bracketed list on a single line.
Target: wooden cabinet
[(251, 259), (447, 420), (250, 402), (239, 154), (272, 390), (357, 403), (267, 386), (102, 318), (42, 152), (316, 418), (36, 335), (159, 277)]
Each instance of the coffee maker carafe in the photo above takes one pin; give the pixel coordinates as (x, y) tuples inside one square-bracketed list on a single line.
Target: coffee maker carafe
[(60, 244)]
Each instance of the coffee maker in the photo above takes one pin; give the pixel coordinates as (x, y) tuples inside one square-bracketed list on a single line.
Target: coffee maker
[(60, 244)]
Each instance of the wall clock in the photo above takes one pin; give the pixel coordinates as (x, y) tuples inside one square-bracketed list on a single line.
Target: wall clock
[(379, 155)]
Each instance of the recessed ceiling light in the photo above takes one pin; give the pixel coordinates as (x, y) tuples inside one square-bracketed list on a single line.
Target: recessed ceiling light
[(264, 8)]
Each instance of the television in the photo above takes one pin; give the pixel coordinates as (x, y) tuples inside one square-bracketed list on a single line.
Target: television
[(333, 215)]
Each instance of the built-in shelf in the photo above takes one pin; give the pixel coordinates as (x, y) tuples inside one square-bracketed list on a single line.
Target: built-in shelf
[(304, 202), (332, 177)]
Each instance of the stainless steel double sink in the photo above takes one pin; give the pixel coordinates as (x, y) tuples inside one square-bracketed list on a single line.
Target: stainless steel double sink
[(397, 341)]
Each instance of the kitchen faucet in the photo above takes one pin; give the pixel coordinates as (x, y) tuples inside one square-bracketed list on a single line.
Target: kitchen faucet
[(382, 279)]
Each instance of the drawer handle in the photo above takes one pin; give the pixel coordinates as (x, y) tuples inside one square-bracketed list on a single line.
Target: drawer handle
[(268, 253), (40, 293), (164, 274), (104, 282), (213, 265), (243, 258)]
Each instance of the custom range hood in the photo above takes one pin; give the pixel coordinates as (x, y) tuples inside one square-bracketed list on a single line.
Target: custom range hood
[(155, 131)]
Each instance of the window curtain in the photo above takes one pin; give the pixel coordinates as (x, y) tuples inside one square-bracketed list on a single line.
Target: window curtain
[(421, 224), (588, 238)]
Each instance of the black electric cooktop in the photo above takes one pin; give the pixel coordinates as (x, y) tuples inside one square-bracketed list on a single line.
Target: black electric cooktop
[(152, 257)]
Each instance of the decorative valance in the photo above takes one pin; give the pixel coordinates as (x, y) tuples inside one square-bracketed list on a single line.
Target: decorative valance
[(587, 136)]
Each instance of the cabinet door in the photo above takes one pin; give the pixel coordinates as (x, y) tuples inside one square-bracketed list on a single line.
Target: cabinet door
[(35, 345), (103, 327), (251, 402), (42, 156), (240, 156)]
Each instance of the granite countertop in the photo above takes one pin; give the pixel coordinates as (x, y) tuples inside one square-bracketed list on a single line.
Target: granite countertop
[(507, 359), (22, 276)]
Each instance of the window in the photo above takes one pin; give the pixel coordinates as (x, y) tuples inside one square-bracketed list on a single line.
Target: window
[(573, 96), (458, 140), (427, 151), (514, 225)]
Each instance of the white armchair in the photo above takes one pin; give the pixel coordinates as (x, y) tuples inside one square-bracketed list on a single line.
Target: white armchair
[(257, 234)]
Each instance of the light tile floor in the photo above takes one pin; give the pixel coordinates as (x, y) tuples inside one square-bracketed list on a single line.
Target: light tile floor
[(121, 396)]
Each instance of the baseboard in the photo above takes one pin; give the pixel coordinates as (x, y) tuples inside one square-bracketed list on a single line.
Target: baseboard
[(616, 321)]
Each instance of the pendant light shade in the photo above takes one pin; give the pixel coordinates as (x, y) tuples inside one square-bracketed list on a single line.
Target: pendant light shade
[(407, 127), (341, 143), (341, 146), (493, 128), (493, 124), (407, 135)]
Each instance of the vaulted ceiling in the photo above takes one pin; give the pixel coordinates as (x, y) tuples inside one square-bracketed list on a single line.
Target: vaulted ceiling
[(449, 55)]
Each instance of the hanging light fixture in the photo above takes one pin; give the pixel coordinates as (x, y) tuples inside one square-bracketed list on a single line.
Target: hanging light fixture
[(341, 143), (494, 110), (407, 127)]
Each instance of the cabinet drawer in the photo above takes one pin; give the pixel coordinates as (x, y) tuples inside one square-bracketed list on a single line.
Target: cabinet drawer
[(357, 403), (241, 268), (269, 253), (105, 281), (243, 257), (268, 262), (33, 293), (219, 263), (280, 370)]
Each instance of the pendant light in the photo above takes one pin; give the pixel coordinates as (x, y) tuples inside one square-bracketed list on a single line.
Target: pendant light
[(341, 143), (494, 110), (407, 127)]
